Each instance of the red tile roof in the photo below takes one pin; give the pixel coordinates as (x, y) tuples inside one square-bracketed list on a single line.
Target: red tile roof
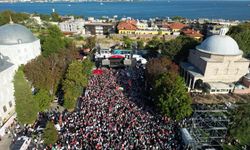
[(177, 25), (127, 25), (192, 33)]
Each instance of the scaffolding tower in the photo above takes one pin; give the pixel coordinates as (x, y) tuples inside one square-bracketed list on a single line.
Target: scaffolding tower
[(208, 126)]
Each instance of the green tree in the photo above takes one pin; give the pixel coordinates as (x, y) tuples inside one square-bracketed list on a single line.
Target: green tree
[(158, 66), (16, 17), (127, 42), (177, 18), (172, 97), (178, 49), (55, 17), (54, 31), (26, 106), (43, 98), (47, 72), (50, 135), (75, 81), (90, 42), (52, 45), (154, 44), (44, 17), (140, 44), (240, 128), (241, 34), (53, 42)]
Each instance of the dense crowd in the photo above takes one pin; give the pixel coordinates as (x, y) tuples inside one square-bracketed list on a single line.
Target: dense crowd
[(112, 115)]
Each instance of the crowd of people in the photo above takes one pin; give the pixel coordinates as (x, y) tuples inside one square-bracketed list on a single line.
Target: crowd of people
[(112, 115)]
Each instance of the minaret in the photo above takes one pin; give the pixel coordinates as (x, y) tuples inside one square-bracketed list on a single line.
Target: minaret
[(223, 31), (11, 21)]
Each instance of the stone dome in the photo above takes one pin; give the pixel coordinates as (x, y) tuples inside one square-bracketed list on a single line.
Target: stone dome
[(220, 45), (11, 34)]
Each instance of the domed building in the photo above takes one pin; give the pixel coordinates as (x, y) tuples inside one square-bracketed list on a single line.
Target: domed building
[(217, 61), (18, 43), (17, 46)]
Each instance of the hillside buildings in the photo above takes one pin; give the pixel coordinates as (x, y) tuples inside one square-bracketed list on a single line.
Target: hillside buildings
[(73, 26)]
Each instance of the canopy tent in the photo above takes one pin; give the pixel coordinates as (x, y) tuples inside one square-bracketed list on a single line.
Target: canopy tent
[(117, 57), (97, 71)]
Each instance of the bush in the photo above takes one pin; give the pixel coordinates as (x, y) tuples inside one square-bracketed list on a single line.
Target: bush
[(50, 135)]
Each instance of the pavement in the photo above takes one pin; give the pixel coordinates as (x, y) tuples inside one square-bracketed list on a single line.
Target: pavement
[(5, 142)]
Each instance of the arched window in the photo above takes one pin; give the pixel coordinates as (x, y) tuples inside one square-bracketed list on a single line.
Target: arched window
[(4, 108)]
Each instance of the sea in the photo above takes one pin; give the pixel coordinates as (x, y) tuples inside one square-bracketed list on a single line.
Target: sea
[(232, 10)]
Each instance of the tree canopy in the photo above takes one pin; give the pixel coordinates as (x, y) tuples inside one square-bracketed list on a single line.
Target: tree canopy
[(127, 42), (16, 17), (240, 129), (43, 98), (47, 72), (50, 135), (53, 41), (26, 107), (55, 17), (241, 34), (90, 42), (168, 88), (178, 49), (75, 81), (172, 97), (157, 66), (154, 44)]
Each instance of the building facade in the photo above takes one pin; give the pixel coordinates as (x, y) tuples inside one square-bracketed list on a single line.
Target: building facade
[(74, 26), (17, 46)]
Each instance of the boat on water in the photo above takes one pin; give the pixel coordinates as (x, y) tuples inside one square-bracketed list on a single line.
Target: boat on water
[(101, 3), (69, 5)]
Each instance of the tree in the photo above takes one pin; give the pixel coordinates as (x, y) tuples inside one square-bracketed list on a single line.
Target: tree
[(26, 106), (241, 34), (90, 42), (16, 17), (50, 135), (75, 81), (52, 45), (43, 98), (178, 49), (54, 31), (47, 72), (172, 97), (127, 42), (177, 18), (55, 17), (240, 128), (44, 17), (140, 44), (53, 42), (158, 66), (154, 44)]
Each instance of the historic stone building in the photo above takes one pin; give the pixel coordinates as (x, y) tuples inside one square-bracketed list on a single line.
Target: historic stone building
[(217, 61), (17, 46)]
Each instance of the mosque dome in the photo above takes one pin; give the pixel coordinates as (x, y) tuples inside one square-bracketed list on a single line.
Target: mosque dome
[(11, 34), (220, 45)]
